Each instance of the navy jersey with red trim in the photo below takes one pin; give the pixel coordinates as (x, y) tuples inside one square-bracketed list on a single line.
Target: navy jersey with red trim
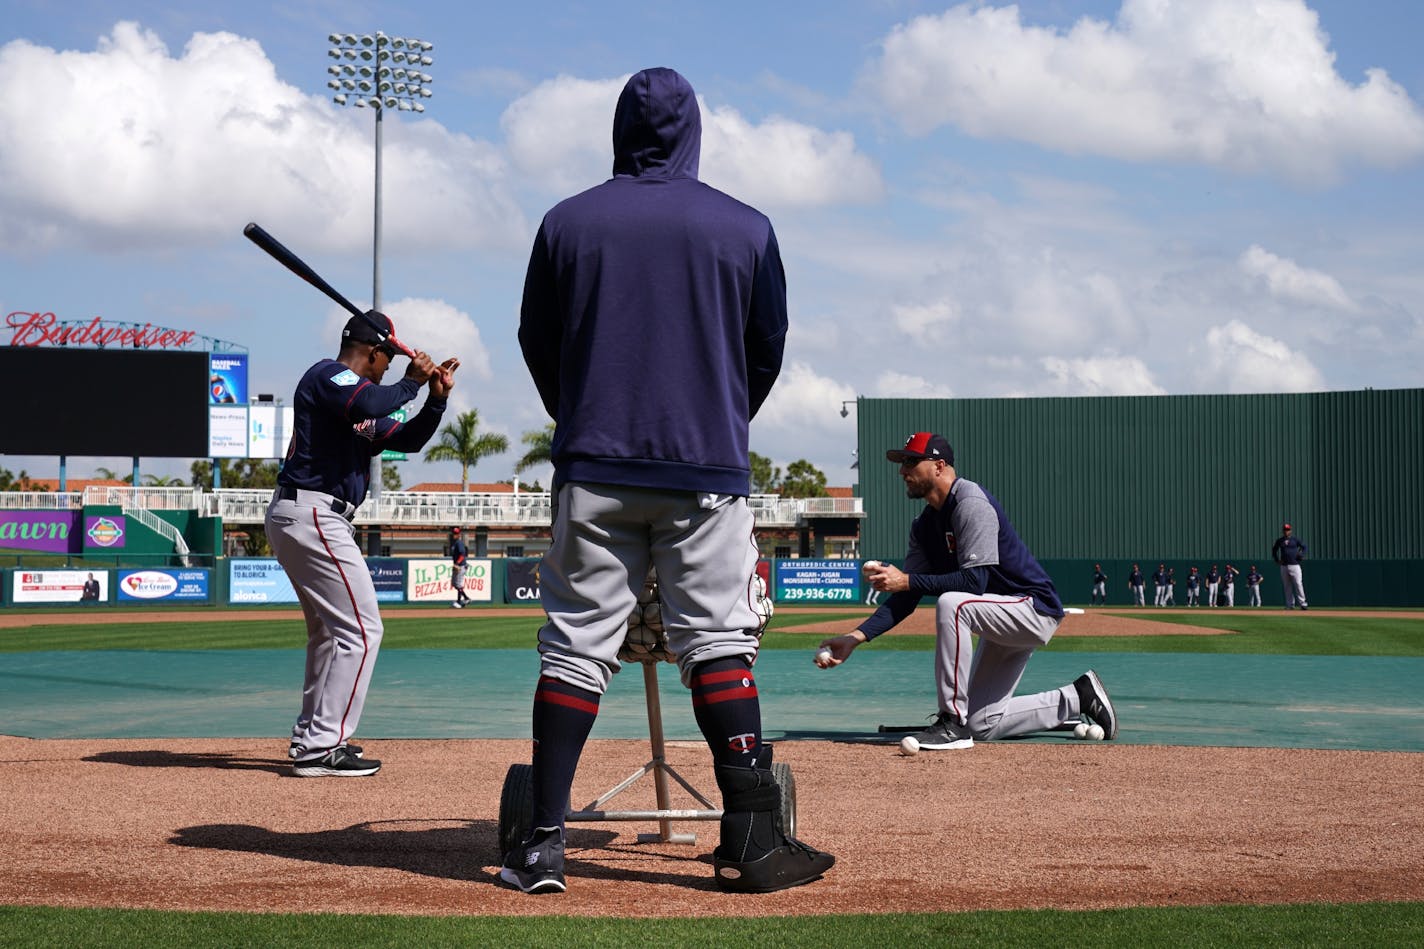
[(970, 545), (340, 422)]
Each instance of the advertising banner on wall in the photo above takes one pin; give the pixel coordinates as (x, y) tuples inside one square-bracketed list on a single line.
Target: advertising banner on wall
[(259, 580), (521, 580), (54, 532), (269, 429), (105, 532), (227, 378), (817, 581), (388, 574), (59, 586), (227, 431), (428, 581), (164, 585)]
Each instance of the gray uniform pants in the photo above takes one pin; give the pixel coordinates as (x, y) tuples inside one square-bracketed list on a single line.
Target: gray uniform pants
[(317, 548), (1294, 585), (605, 537), (977, 685)]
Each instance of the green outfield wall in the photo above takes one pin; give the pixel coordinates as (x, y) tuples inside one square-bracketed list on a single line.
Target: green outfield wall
[(1185, 480)]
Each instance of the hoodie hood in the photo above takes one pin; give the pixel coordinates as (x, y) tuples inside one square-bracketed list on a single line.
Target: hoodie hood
[(657, 127)]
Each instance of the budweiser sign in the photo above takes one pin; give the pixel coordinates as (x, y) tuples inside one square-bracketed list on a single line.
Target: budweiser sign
[(45, 329)]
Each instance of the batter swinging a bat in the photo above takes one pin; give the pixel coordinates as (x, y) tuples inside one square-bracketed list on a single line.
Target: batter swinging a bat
[(341, 423)]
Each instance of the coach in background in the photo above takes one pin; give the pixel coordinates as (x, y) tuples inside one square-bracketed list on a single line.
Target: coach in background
[(653, 323), (341, 422), (1288, 552), (964, 552)]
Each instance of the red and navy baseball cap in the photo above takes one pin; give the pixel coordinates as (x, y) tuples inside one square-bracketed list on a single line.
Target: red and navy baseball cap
[(1285, 527), (920, 446), (357, 330)]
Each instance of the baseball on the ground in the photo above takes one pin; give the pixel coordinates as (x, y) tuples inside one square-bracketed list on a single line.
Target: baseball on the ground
[(868, 566), (1080, 730), (909, 745), (1095, 732), (823, 657)]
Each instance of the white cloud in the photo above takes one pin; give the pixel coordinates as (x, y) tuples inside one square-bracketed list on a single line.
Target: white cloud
[(781, 163), (803, 399), (893, 384), (1098, 375), (1287, 280), (1240, 360), (560, 135), (915, 319), (439, 329), (128, 146), (1252, 87)]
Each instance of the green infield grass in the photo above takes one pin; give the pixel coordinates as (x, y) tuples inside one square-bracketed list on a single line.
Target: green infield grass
[(1365, 924), (1273, 633)]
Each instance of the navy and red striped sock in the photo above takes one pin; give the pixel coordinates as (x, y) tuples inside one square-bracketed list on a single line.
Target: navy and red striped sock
[(725, 703), (563, 717)]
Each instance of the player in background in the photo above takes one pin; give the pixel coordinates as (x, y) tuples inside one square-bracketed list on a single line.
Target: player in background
[(1135, 585), (964, 552), (1193, 587), (1100, 586), (458, 555), (1288, 552), (1253, 585), (341, 422), (653, 324)]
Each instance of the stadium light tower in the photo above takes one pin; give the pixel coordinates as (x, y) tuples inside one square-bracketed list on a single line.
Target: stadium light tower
[(378, 72)]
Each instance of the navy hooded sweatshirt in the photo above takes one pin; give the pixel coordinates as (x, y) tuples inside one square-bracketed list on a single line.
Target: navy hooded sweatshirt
[(654, 312)]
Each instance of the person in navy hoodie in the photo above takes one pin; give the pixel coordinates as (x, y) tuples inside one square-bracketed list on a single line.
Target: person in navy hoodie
[(653, 324)]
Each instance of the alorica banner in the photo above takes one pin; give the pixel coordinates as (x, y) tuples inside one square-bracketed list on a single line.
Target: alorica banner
[(54, 532)]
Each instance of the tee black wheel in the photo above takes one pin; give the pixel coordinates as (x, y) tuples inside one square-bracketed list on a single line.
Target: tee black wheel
[(516, 807), (781, 772)]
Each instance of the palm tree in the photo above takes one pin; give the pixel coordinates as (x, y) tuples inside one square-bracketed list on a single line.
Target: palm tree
[(163, 481), (541, 448), (459, 442)]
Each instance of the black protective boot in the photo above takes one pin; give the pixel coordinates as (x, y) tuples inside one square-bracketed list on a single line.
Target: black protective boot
[(755, 855)]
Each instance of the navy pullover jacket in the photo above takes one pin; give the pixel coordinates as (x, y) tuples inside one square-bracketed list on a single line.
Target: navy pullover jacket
[(654, 312)]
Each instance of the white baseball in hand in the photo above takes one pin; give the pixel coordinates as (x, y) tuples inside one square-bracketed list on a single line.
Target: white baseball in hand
[(824, 657), (868, 566)]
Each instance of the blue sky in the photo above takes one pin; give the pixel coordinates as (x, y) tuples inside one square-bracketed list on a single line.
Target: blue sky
[(973, 200)]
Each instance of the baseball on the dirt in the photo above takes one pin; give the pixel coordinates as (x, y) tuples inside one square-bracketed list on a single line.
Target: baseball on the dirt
[(1095, 732), (1080, 730), (823, 658), (909, 745)]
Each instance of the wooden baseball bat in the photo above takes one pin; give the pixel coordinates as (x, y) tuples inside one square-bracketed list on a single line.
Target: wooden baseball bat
[(279, 252)]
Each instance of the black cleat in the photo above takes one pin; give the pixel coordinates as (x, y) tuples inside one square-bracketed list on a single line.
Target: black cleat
[(537, 865), (1093, 701)]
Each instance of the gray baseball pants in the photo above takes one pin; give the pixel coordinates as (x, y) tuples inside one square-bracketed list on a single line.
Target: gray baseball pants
[(317, 548), (605, 537), (977, 685), (1294, 585)]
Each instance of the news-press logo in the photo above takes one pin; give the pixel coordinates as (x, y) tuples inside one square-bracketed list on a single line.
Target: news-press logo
[(149, 585), (104, 532)]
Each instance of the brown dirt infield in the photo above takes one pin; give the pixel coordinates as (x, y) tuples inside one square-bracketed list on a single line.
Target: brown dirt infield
[(217, 824)]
